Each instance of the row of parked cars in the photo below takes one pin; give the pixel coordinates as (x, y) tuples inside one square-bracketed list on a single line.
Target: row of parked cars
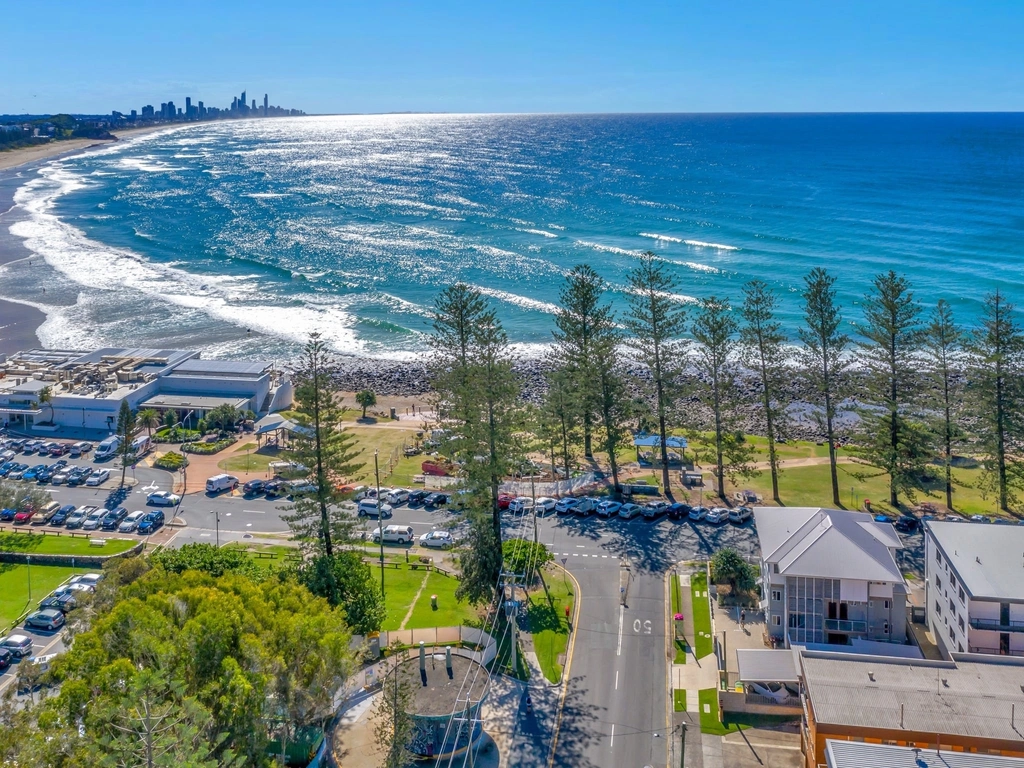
[(57, 473), (584, 506), (10, 447), (404, 534), (49, 618), (89, 518)]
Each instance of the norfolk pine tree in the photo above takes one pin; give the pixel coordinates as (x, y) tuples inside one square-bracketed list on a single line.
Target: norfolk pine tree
[(762, 340), (824, 355), (612, 404), (893, 439), (324, 448), (656, 323), (714, 329), (944, 343), (125, 430), (559, 414), (580, 324), (998, 366)]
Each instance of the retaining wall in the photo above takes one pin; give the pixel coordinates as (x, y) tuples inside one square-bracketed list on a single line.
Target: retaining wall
[(73, 561)]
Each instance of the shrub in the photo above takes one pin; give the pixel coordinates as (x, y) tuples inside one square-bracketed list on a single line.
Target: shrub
[(177, 435), (205, 449), (171, 460)]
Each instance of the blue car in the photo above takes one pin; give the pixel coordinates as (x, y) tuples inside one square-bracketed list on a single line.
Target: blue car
[(7, 515), (151, 522), (6, 467), (61, 515), (33, 473)]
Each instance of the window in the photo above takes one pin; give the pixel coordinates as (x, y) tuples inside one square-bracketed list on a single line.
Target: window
[(938, 583), (776, 594), (938, 557), (952, 634), (952, 581), (796, 621), (962, 624), (959, 648), (775, 567), (962, 596), (885, 603), (938, 608), (952, 605), (777, 621), (885, 628)]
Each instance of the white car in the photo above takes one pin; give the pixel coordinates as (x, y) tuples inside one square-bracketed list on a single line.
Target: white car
[(776, 691), (629, 511), (567, 505), (585, 506), (397, 496), (394, 534), (437, 540), (608, 508), (131, 522), (520, 504), (61, 477), (93, 520), (99, 477), (163, 499), (740, 515), (90, 580), (698, 513), (717, 515), (545, 505)]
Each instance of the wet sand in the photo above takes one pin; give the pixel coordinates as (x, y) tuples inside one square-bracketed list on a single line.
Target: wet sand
[(23, 156)]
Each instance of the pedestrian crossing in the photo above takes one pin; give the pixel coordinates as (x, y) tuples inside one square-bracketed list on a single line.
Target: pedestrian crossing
[(584, 554)]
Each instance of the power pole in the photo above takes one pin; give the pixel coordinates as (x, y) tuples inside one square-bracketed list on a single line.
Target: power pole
[(380, 519)]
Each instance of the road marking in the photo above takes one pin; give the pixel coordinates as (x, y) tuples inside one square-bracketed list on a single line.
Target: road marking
[(581, 546), (205, 534), (616, 679), (622, 615), (612, 744), (605, 556), (255, 511), (575, 554)]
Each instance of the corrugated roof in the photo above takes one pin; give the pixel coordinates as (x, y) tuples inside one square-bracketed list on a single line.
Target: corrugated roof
[(762, 665), (827, 543), (857, 754), (989, 558), (229, 367), (964, 698)]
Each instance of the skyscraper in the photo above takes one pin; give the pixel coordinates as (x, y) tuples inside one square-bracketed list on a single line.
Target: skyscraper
[(243, 105), (265, 102)]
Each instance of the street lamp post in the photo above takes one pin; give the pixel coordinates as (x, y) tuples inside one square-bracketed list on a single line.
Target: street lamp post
[(216, 517), (28, 563), (184, 465), (380, 521)]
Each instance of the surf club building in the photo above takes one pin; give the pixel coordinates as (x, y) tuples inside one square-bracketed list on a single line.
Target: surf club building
[(76, 392)]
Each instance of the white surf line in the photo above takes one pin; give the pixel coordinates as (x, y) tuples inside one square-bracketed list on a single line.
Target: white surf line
[(622, 614)]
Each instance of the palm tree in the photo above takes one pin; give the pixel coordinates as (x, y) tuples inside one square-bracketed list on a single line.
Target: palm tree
[(149, 419), (45, 397)]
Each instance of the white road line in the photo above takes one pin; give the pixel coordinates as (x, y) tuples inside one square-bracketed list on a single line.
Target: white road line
[(255, 511), (575, 554), (622, 615), (616, 679), (605, 556), (581, 546), (612, 744)]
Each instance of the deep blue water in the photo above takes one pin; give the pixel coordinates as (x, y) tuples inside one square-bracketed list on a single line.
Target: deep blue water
[(247, 235)]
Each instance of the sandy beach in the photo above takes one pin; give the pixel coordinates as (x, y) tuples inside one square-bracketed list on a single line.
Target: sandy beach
[(25, 155)]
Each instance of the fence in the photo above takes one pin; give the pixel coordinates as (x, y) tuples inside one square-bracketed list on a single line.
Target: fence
[(446, 636), (557, 488), (755, 704)]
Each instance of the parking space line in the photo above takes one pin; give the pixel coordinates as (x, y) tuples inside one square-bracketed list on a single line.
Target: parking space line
[(255, 511)]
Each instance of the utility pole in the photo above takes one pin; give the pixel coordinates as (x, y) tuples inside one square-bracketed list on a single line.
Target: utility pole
[(380, 520), (533, 495), (216, 516)]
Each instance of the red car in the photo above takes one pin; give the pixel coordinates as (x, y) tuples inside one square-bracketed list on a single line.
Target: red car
[(24, 515), (504, 499)]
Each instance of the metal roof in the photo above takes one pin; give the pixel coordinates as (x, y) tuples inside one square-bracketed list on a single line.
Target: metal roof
[(859, 754), (827, 543), (649, 441), (224, 367), (989, 559), (762, 665), (963, 697), (193, 401)]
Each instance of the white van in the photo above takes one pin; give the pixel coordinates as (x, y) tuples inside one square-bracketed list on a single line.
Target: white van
[(219, 483), (141, 446), (394, 534), (368, 508), (107, 448)]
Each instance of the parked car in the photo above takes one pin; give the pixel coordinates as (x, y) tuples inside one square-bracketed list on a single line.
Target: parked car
[(585, 506), (368, 508), (80, 448), (394, 534), (6, 467), (520, 504), (45, 515), (698, 513), (504, 499), (63, 601), (76, 518), (47, 474), (907, 523), (417, 498), (566, 506), (300, 487), (79, 475), (113, 519), (61, 475), (98, 477), (398, 496), (545, 505), (131, 521), (652, 510), (48, 619), (220, 483), (7, 456), (6, 657), (7, 515), (717, 515), (678, 510), (17, 471), (437, 540), (976, 519), (436, 500), (740, 515), (60, 449), (30, 475), (608, 508), (94, 519), (275, 488), (61, 515), (629, 511), (19, 645), (151, 522), (254, 487), (163, 499), (90, 580)]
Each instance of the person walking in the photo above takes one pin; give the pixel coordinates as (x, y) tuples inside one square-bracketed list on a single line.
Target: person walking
[(743, 619)]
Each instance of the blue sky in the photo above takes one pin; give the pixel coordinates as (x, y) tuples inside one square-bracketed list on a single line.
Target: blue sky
[(528, 56)]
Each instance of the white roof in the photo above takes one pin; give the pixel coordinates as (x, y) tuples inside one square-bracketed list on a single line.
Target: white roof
[(827, 543), (988, 558), (857, 754), (765, 665)]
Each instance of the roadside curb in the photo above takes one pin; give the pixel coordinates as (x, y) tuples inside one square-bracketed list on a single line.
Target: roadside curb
[(577, 603)]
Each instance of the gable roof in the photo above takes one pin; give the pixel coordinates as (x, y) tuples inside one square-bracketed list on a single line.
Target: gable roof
[(827, 543), (988, 558)]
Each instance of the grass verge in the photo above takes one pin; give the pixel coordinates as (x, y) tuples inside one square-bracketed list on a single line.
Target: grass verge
[(50, 544), (701, 615), (679, 699), (680, 643), (14, 587), (274, 556), (548, 623), (450, 612)]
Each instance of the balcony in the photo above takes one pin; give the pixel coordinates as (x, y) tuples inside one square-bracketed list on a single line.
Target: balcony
[(995, 625), (845, 625), (995, 651)]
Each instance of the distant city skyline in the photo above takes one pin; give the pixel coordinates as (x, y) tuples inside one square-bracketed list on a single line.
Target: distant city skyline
[(240, 107), (457, 56)]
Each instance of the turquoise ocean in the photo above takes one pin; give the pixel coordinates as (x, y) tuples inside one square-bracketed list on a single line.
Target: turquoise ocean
[(242, 237)]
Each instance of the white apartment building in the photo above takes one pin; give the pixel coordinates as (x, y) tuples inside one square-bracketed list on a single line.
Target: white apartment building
[(975, 587)]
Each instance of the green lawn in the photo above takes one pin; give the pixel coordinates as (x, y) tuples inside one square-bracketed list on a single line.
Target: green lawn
[(252, 461), (679, 699), (369, 439), (14, 586), (548, 623), (709, 722), (503, 660), (701, 615), (681, 647), (449, 613), (271, 555), (400, 587), (51, 544), (812, 486)]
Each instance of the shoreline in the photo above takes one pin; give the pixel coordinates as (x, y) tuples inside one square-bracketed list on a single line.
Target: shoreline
[(16, 158)]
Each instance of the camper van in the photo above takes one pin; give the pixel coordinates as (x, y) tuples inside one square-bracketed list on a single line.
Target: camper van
[(107, 448), (141, 445)]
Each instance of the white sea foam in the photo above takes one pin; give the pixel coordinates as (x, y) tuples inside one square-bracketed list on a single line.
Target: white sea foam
[(716, 246), (540, 232), (556, 226), (265, 195), (664, 238), (520, 301), (608, 248), (146, 163)]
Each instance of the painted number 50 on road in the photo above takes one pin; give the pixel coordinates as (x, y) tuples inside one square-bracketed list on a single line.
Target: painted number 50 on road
[(642, 627)]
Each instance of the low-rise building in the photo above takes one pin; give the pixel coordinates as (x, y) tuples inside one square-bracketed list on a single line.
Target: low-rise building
[(84, 390), (968, 704), (830, 576), (974, 587), (861, 754)]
